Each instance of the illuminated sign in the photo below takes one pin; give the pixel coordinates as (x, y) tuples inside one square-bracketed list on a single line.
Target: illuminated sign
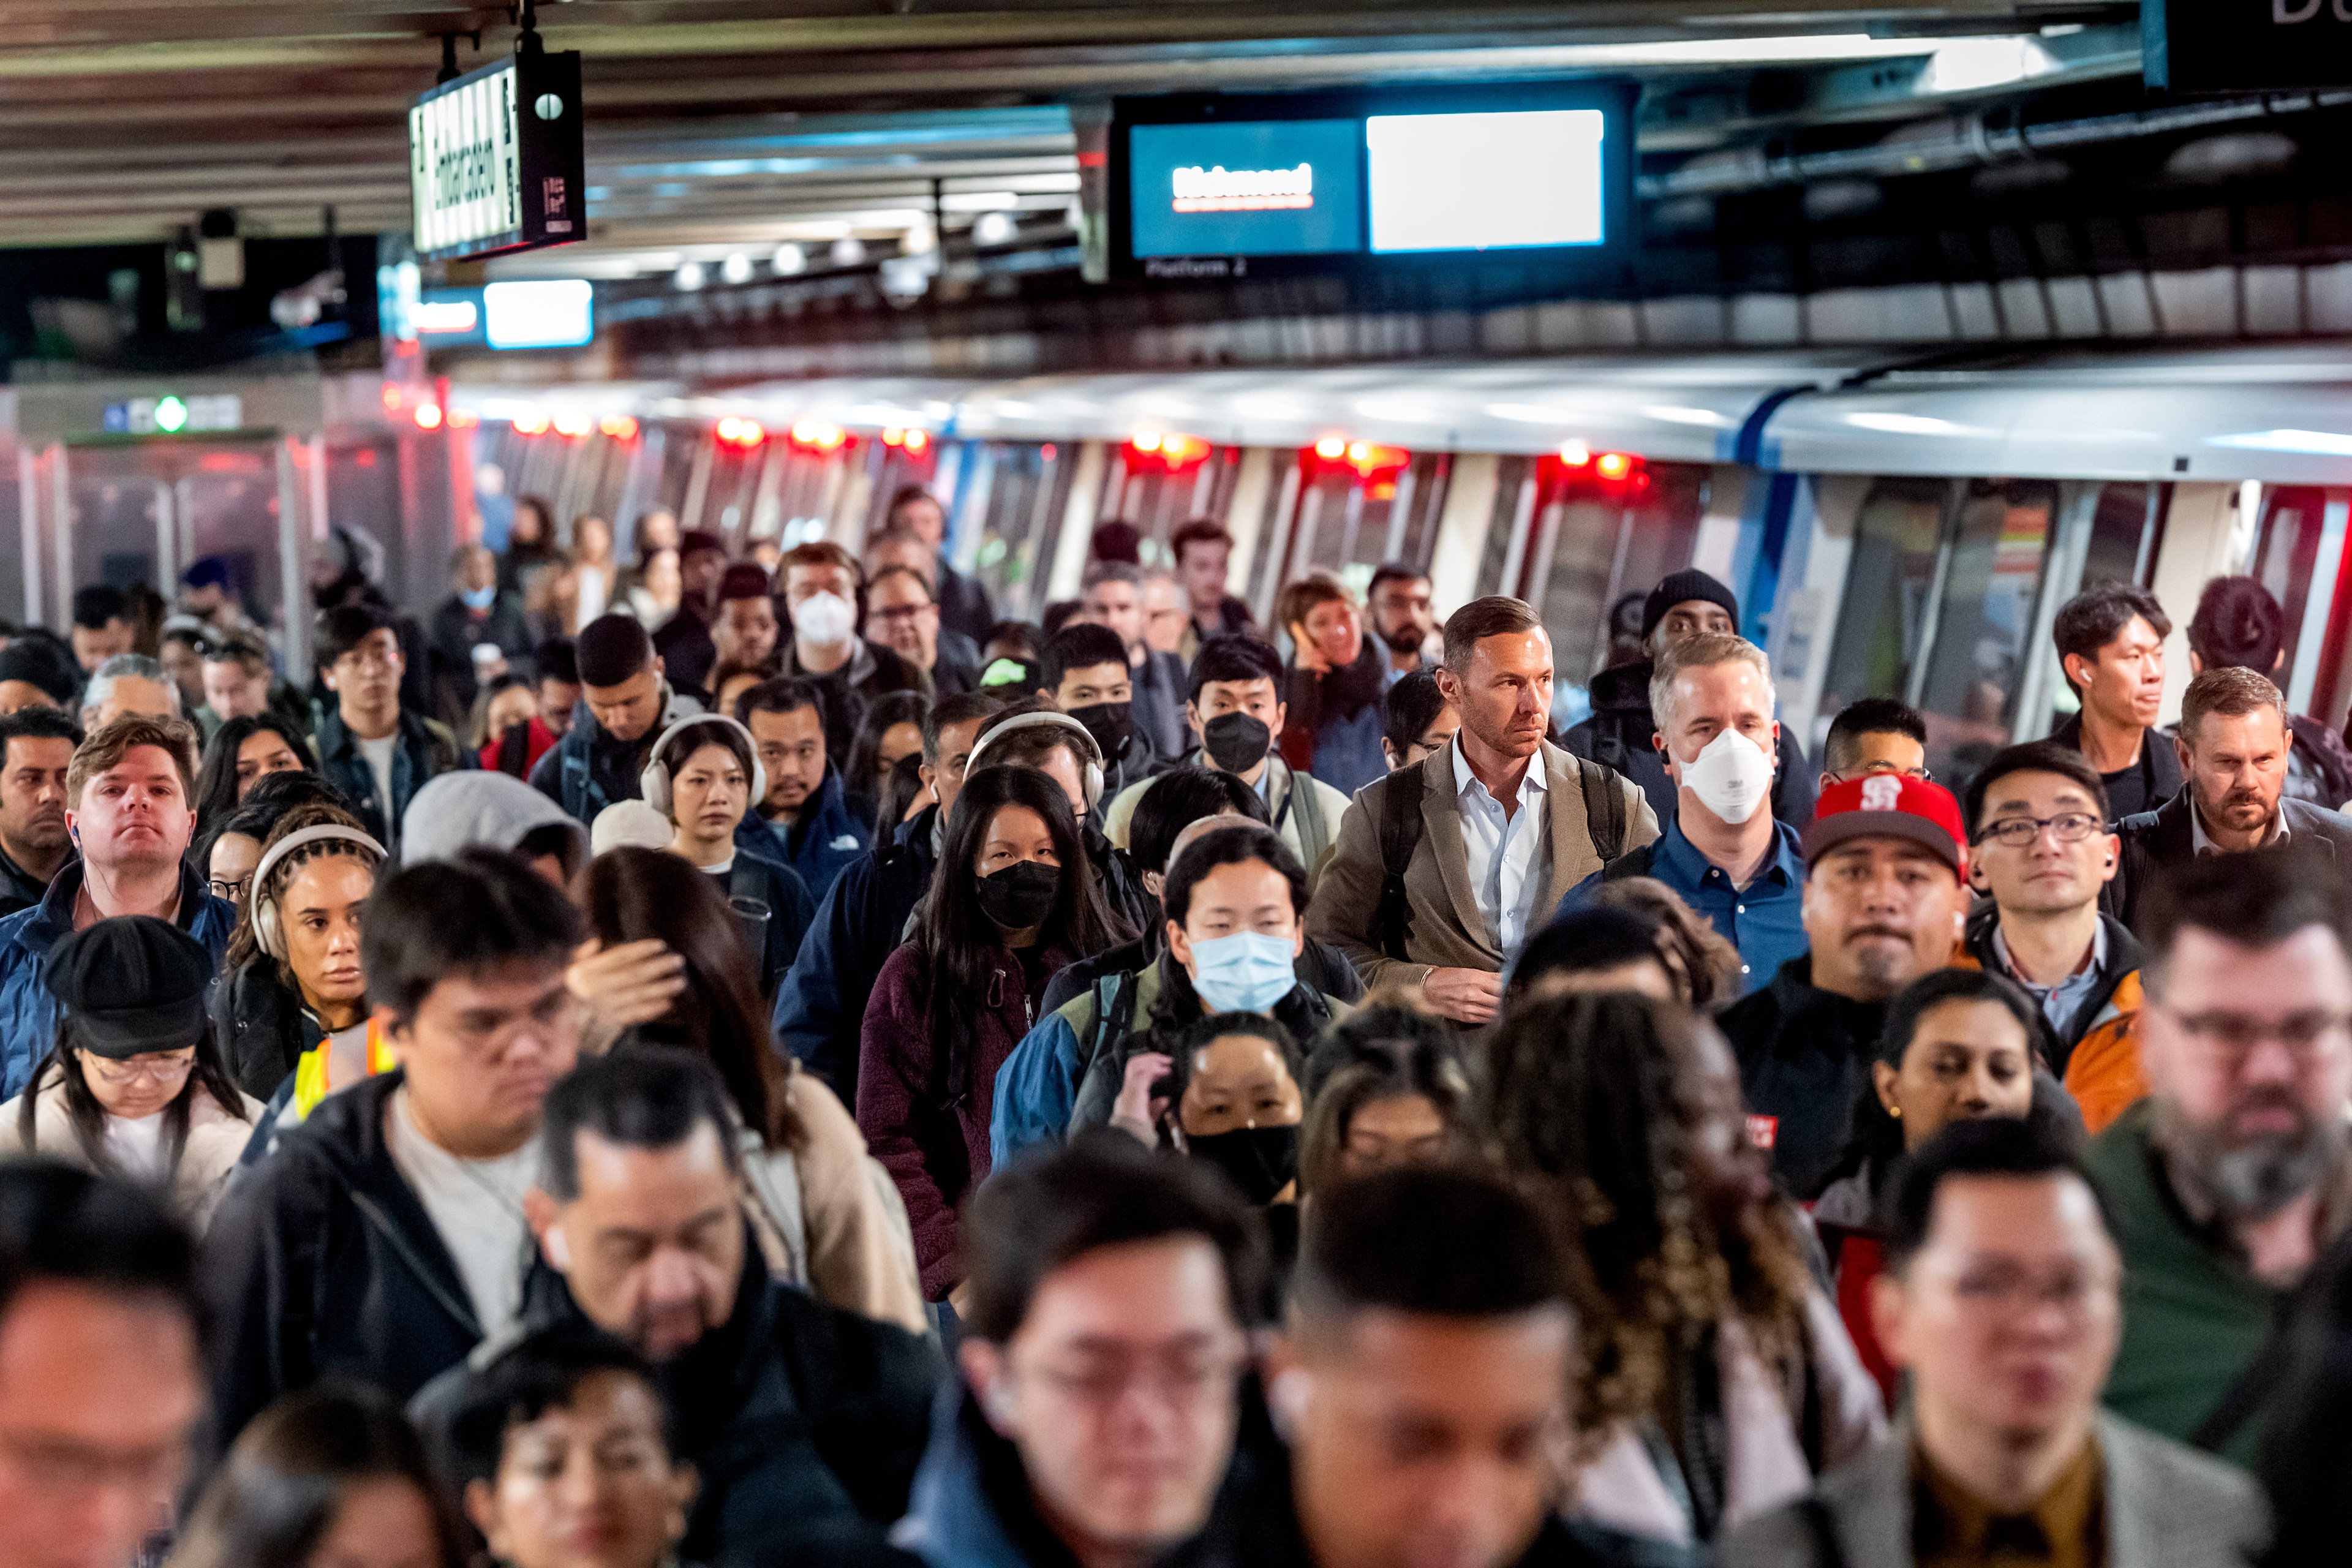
[(549, 313), (443, 317), (495, 160), (172, 415), (1214, 186)]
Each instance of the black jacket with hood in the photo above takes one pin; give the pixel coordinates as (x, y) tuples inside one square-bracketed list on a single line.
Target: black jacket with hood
[(259, 1027), (322, 1261)]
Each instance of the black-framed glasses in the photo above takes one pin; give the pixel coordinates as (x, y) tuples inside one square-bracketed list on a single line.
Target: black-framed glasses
[(232, 890), (2019, 832)]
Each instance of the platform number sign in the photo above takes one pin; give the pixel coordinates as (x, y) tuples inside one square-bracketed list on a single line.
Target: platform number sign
[(496, 160)]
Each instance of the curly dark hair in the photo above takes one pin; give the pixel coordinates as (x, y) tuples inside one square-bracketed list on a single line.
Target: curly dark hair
[(1699, 960), (1599, 1101)]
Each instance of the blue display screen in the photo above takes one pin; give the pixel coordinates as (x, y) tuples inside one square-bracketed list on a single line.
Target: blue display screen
[(1270, 187)]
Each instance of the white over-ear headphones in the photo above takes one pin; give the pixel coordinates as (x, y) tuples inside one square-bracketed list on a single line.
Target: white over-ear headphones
[(655, 781), (1092, 781), (269, 932)]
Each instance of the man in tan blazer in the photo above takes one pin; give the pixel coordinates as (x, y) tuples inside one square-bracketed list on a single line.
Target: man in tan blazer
[(1438, 897)]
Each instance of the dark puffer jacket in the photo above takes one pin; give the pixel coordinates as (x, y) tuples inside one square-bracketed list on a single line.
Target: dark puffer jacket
[(259, 1027), (924, 1104)]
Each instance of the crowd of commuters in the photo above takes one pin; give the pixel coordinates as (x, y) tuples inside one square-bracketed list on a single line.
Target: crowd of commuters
[(693, 1059)]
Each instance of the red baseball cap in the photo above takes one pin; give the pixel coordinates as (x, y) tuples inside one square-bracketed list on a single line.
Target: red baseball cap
[(1890, 805)]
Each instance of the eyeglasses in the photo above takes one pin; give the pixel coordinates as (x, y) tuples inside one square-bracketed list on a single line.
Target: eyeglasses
[(2232, 1036), (2072, 1290), (231, 888), (1871, 769), (155, 1070), (2019, 832)]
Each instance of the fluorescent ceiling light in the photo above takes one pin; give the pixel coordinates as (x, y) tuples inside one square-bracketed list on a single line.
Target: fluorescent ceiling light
[(1972, 64), (1913, 424), (2318, 443), (552, 314), (1781, 50)]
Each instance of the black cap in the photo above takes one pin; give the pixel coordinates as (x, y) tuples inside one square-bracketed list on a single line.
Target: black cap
[(1680, 588), (131, 984)]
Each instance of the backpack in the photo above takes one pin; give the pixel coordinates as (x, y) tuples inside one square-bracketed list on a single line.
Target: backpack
[(1401, 827)]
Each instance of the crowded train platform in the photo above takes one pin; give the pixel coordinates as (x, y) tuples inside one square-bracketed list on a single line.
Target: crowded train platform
[(973, 786)]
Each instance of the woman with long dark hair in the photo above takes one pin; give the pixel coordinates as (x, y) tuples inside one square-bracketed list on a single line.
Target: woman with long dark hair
[(828, 1218), (1014, 900), (332, 1475), (132, 1086), (892, 728), (241, 753), (1716, 1378)]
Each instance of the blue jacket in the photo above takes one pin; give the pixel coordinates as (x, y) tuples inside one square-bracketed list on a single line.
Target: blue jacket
[(971, 1506), (426, 749), (29, 1014), (824, 839), (821, 1006)]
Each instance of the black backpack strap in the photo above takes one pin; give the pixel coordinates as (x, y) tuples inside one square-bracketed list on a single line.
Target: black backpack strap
[(1632, 863), (2254, 1387), (1400, 830), (1604, 808)]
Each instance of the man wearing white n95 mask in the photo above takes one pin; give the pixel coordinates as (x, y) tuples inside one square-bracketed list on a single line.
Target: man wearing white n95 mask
[(1723, 850)]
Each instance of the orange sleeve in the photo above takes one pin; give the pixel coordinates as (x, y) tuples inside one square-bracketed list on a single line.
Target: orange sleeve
[(2104, 1074)]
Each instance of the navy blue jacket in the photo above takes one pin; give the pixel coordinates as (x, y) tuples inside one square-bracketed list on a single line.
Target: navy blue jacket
[(29, 1014), (820, 1006), (427, 748), (824, 839)]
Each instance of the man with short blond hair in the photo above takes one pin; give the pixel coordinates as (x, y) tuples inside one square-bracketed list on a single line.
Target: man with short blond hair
[(1723, 850), (2232, 746), (128, 794), (1519, 821)]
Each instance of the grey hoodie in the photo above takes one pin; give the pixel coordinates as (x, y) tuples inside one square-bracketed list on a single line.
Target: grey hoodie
[(478, 807)]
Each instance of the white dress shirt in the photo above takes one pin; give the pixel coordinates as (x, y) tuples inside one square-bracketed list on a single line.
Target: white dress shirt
[(1510, 857)]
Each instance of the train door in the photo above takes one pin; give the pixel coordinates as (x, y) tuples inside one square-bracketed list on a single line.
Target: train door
[(1344, 508)]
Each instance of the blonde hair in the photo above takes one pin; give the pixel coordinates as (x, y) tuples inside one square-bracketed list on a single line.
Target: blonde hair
[(1703, 652)]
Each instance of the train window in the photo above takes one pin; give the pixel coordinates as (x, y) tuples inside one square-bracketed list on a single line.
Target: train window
[(1969, 689), (2126, 528), (1021, 526), (1897, 537), (2286, 553), (1596, 541)]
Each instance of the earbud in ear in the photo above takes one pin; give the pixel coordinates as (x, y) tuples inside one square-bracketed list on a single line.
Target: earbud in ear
[(999, 1405), (558, 1251), (1285, 1399)]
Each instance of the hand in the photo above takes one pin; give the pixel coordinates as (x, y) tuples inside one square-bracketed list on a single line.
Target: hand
[(1464, 995), (961, 1298), (1139, 1107), (632, 984), (1305, 654)]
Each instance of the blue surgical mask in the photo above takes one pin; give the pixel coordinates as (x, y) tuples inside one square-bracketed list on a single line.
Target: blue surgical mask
[(479, 598), (1244, 972)]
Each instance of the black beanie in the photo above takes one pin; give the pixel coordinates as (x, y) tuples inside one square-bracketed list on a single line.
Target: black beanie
[(1680, 588)]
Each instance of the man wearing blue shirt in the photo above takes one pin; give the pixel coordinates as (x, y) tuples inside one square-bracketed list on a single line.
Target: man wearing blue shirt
[(1722, 850)]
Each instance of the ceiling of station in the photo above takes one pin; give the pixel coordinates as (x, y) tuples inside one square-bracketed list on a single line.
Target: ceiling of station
[(718, 127)]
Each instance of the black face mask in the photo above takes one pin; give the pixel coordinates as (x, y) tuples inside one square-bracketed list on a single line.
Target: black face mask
[(1111, 723), (1236, 742), (1259, 1161), (1019, 897)]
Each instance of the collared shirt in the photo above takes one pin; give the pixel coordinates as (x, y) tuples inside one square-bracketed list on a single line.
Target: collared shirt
[(2066, 1528), (2061, 1001), (1765, 919), (1509, 857), (2200, 843)]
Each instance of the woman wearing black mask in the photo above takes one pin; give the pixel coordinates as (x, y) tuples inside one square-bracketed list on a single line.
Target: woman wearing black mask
[(1232, 1099), (1014, 900)]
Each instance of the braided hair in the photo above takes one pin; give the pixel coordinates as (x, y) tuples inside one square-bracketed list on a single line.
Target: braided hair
[(244, 946), (1599, 1099)]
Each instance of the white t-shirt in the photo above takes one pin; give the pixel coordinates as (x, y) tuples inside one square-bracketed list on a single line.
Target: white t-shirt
[(477, 1206), (137, 1145), (379, 760)]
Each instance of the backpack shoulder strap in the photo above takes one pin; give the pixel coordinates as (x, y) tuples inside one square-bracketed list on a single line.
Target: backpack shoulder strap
[(1400, 830), (1604, 808), (1632, 863), (1314, 830)]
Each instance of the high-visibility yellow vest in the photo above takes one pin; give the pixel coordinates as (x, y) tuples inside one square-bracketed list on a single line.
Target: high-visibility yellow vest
[(319, 1074)]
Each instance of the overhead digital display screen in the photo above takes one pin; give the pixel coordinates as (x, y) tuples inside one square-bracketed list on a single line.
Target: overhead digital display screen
[(496, 160), (1485, 182), (1535, 175), (1274, 187)]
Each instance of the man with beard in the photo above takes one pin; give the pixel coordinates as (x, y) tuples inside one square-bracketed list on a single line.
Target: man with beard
[(2232, 744), (37, 747), (1403, 616), (2227, 1183), (1886, 891)]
